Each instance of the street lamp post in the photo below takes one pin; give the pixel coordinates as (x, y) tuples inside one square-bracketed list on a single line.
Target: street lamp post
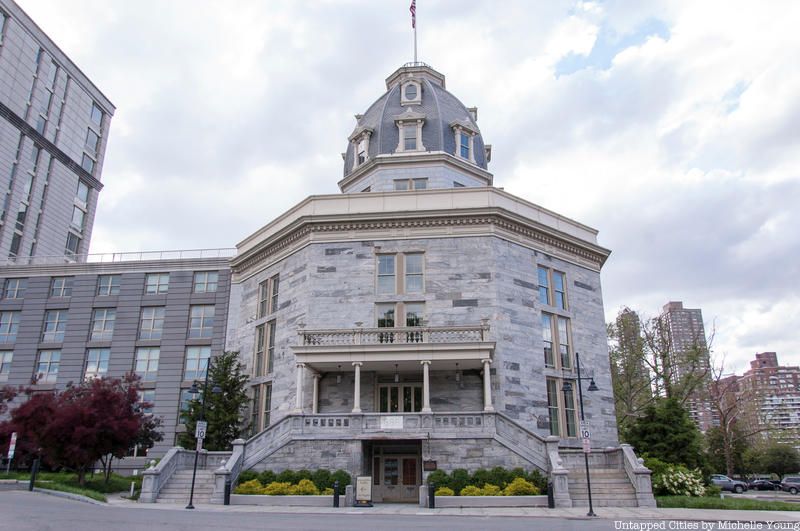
[(592, 387), (194, 391)]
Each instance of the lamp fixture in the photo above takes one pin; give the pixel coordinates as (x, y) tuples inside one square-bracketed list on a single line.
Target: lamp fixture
[(339, 375), (396, 374), (458, 373)]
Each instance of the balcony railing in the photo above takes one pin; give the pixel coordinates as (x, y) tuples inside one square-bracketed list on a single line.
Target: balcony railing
[(407, 335), (132, 256)]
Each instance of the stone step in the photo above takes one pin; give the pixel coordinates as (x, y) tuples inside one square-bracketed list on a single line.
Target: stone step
[(605, 503), (165, 491)]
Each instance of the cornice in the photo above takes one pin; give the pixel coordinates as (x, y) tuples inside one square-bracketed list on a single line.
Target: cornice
[(415, 158), (86, 268), (500, 222)]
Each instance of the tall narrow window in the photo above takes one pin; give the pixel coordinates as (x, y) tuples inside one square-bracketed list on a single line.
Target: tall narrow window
[(386, 274), (385, 315), (547, 340), (9, 324), (363, 145), (196, 363), (152, 322), (273, 301), (96, 363), (78, 217), (464, 145), (263, 298), (156, 283), (414, 314), (569, 411), (201, 321), (91, 141), (410, 137), (270, 345), (413, 282), (47, 366), (146, 366), (72, 245), (55, 324), (103, 324), (6, 357), (82, 194), (559, 295), (265, 421), (552, 406), (258, 363), (97, 115), (544, 286), (563, 343), (255, 411)]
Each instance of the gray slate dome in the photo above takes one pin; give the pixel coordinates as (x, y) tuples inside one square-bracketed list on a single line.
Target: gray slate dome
[(439, 106)]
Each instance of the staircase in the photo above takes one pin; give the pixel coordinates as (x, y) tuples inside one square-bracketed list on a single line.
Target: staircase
[(610, 488), (179, 486)]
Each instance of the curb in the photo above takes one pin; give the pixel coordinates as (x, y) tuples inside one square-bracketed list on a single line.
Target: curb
[(69, 496)]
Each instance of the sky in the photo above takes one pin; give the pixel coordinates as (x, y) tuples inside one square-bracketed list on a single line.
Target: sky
[(671, 127)]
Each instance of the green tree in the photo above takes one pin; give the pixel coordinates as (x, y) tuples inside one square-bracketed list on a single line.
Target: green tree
[(666, 432), (780, 459), (223, 411), (726, 452)]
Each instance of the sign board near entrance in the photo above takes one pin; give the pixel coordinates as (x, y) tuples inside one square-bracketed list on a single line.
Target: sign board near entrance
[(429, 465), (392, 422), (364, 491)]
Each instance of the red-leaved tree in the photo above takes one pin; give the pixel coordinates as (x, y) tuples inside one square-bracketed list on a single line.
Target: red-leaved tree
[(76, 427)]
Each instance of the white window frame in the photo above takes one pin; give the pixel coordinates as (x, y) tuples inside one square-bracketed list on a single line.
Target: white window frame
[(103, 320), (50, 365), (150, 316), (147, 357), (96, 366), (6, 358), (417, 99), (55, 326), (111, 287), (196, 363), (9, 326), (201, 321), (386, 275), (205, 282), (14, 288), (154, 282), (61, 286)]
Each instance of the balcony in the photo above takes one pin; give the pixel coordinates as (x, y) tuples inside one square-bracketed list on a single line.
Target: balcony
[(384, 348)]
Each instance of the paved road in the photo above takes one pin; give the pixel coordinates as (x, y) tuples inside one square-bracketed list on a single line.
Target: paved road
[(25, 511)]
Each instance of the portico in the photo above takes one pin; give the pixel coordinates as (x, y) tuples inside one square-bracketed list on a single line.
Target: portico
[(401, 361)]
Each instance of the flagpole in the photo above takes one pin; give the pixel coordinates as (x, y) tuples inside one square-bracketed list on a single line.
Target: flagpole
[(415, 43), (413, 10)]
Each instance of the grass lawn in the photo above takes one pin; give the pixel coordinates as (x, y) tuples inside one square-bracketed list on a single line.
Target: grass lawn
[(742, 504), (95, 486)]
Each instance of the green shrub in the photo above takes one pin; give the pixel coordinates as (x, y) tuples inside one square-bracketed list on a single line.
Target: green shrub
[(322, 479), (521, 487), (267, 477), (327, 491), (470, 490), (439, 478), (277, 488), (445, 491), (713, 491), (304, 488), (500, 476), (538, 479), (252, 486), (459, 478), (247, 475), (303, 474), (343, 477), (481, 477), (491, 490), (287, 476), (656, 466), (679, 481)]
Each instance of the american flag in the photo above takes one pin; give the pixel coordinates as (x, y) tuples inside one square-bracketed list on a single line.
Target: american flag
[(413, 10)]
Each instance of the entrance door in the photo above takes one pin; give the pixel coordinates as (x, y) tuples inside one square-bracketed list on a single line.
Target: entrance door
[(399, 478), (400, 398)]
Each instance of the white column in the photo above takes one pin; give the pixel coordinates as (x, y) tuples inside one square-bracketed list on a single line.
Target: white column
[(298, 405), (426, 387), (487, 385), (357, 388), (315, 398)]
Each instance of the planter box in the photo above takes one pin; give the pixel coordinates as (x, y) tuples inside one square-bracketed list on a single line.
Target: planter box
[(289, 501), (491, 501)]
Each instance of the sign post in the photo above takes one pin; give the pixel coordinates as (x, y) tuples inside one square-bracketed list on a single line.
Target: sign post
[(11, 447), (200, 429), (586, 435)]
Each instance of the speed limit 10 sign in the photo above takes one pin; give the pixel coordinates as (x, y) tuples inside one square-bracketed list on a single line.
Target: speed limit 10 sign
[(585, 433)]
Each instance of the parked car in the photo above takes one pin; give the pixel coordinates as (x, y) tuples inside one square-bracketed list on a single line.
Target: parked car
[(791, 484), (764, 484), (726, 483)]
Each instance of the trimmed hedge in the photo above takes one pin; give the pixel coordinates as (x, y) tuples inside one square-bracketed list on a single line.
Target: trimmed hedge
[(497, 479), (301, 482)]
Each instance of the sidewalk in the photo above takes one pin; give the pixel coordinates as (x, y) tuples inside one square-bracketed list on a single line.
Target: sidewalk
[(575, 513)]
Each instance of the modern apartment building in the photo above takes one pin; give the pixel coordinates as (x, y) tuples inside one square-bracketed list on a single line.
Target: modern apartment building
[(162, 319), (54, 126), (689, 357), (775, 391)]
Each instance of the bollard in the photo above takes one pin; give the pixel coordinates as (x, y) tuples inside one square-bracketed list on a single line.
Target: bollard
[(431, 495), (336, 494), (226, 500), (34, 470), (551, 501)]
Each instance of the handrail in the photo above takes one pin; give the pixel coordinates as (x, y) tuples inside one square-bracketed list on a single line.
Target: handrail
[(639, 476), (124, 256), (156, 477), (400, 335)]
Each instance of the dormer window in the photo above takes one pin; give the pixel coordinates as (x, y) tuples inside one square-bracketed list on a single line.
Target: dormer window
[(363, 145), (464, 140), (360, 142), (410, 137), (411, 93), (465, 146)]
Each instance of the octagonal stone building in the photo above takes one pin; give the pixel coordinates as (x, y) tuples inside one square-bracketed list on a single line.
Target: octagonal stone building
[(424, 319)]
